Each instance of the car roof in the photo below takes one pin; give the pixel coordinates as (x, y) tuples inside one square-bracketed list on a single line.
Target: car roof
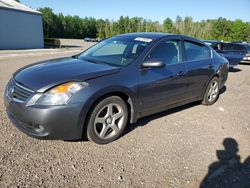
[(151, 35), (156, 36), (234, 43), (210, 40), (241, 43), (159, 35)]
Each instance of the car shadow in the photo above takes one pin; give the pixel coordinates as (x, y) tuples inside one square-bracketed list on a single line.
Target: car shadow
[(61, 47), (145, 120), (223, 90), (233, 70), (244, 63), (70, 46), (228, 171)]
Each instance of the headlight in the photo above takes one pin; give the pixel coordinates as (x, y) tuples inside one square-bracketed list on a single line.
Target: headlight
[(246, 58), (61, 94)]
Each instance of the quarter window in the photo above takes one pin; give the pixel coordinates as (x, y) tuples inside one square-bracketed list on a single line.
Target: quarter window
[(168, 52), (196, 51)]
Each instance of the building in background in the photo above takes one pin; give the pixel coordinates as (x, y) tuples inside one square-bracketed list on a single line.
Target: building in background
[(20, 26)]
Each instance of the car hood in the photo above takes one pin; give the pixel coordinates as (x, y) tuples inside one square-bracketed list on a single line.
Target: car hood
[(41, 76)]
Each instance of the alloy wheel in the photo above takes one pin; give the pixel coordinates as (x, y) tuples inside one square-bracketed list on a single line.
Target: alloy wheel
[(213, 91), (109, 121)]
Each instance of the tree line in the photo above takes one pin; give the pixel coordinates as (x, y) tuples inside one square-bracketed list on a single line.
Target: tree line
[(67, 26)]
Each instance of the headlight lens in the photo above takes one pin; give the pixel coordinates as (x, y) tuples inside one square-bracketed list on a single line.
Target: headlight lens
[(61, 94), (246, 58)]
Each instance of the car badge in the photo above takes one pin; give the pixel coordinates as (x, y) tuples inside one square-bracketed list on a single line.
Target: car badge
[(11, 89)]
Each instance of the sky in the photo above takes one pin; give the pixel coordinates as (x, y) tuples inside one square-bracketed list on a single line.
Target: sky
[(156, 10)]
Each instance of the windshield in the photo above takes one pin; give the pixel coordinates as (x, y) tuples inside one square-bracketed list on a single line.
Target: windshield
[(248, 47), (116, 51)]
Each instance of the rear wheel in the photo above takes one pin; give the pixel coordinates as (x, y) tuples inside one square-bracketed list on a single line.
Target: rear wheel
[(107, 120), (212, 92)]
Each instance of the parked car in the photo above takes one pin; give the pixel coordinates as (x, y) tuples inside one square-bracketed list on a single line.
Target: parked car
[(245, 45), (111, 84), (87, 39), (234, 52), (92, 39), (246, 59)]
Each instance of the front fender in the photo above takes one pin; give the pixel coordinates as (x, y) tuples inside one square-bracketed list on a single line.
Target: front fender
[(117, 90)]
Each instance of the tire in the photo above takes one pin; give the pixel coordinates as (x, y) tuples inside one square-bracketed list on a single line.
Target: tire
[(212, 92), (107, 120)]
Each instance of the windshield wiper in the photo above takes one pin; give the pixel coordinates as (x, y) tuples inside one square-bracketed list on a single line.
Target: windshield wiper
[(94, 61), (89, 60), (75, 56)]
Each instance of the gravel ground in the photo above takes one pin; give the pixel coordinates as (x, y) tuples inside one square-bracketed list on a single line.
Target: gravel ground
[(176, 148)]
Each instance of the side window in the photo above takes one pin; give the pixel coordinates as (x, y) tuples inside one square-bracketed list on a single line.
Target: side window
[(195, 51), (233, 47), (239, 47), (227, 46), (168, 51)]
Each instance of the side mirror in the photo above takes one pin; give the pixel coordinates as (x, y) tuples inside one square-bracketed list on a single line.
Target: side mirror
[(154, 63)]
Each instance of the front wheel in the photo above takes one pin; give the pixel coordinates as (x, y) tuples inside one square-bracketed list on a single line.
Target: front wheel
[(107, 120), (212, 92)]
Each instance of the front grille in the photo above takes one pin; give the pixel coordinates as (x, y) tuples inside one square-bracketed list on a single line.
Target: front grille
[(19, 92)]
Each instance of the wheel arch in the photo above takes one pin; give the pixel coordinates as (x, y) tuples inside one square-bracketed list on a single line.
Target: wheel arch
[(128, 99), (205, 87)]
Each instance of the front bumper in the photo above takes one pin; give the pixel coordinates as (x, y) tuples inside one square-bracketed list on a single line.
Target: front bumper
[(246, 59), (233, 63), (50, 122), (245, 62)]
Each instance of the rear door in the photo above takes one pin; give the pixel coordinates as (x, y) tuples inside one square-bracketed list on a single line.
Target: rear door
[(199, 65), (160, 87)]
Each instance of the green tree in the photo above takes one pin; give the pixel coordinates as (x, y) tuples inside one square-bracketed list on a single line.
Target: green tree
[(238, 30), (101, 27), (168, 25), (67, 26), (121, 25), (248, 32), (221, 29), (188, 25), (49, 19)]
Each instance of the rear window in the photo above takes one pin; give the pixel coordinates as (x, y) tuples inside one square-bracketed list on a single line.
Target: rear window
[(195, 51), (234, 47)]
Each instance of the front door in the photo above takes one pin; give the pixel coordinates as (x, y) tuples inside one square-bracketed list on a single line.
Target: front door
[(160, 87)]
